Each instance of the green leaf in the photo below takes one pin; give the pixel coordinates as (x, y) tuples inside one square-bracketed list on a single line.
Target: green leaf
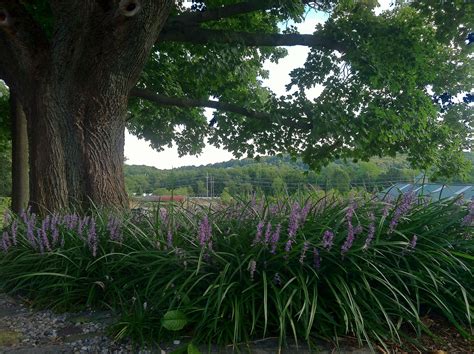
[(174, 320), (192, 349)]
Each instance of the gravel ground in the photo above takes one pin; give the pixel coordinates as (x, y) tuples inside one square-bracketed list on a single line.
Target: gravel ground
[(25, 331)]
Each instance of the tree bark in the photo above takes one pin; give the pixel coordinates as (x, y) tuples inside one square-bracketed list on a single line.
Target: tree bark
[(20, 182), (74, 87)]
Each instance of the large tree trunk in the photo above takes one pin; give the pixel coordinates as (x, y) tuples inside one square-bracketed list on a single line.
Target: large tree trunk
[(20, 185), (77, 146), (74, 88)]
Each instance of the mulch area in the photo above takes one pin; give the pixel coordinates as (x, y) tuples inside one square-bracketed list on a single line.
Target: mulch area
[(446, 339)]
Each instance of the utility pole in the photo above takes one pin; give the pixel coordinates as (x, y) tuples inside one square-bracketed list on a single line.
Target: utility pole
[(212, 186), (207, 184)]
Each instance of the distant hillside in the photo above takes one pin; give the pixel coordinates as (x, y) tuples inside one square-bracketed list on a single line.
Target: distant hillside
[(272, 175)]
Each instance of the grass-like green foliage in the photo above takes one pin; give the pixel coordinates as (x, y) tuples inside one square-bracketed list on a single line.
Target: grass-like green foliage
[(4, 205), (210, 273)]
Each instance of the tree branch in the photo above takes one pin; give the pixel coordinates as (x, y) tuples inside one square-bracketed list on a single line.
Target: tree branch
[(186, 102), (220, 12), (196, 35), (225, 12)]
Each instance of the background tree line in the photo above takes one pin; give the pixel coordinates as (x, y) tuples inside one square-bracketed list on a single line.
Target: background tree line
[(274, 175)]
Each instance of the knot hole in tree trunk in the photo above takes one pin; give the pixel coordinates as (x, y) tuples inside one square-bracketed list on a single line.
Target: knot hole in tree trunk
[(4, 18), (129, 8)]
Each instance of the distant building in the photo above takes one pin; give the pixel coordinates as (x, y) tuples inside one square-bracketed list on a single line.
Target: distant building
[(435, 191)]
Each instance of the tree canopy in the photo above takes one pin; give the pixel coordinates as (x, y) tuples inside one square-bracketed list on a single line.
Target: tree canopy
[(382, 76), (395, 80)]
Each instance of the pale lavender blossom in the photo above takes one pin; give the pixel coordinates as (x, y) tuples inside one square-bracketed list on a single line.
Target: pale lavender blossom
[(54, 229), (385, 210), (268, 233), (413, 242), (371, 231), (469, 218), (328, 239), (113, 225), (274, 239), (252, 268), (5, 241), (350, 211), (43, 233), (288, 245), (71, 221), (54, 234), (349, 239), (39, 232), (30, 228), (351, 232), (92, 237), (169, 239), (304, 212), (277, 279), (316, 258), (253, 200), (14, 231), (24, 214), (258, 235), (205, 232), (303, 251), (273, 209), (163, 216), (293, 223), (46, 223), (81, 225), (403, 208)]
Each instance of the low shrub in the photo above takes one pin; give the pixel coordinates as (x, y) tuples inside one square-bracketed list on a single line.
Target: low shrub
[(306, 269)]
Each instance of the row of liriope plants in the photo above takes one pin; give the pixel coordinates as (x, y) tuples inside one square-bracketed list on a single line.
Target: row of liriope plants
[(308, 269)]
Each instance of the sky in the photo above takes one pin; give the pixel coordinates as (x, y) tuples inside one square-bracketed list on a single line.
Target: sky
[(138, 152)]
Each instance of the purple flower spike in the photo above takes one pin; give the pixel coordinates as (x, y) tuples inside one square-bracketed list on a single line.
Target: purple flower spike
[(44, 234), (328, 239), (205, 232), (30, 233), (14, 231), (303, 252), (293, 223), (252, 268), (274, 239), (5, 241), (92, 237), (40, 240), (371, 232), (258, 235), (349, 239), (403, 208), (113, 226), (413, 242), (305, 212), (169, 239), (277, 279), (316, 258), (268, 233), (469, 218)]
